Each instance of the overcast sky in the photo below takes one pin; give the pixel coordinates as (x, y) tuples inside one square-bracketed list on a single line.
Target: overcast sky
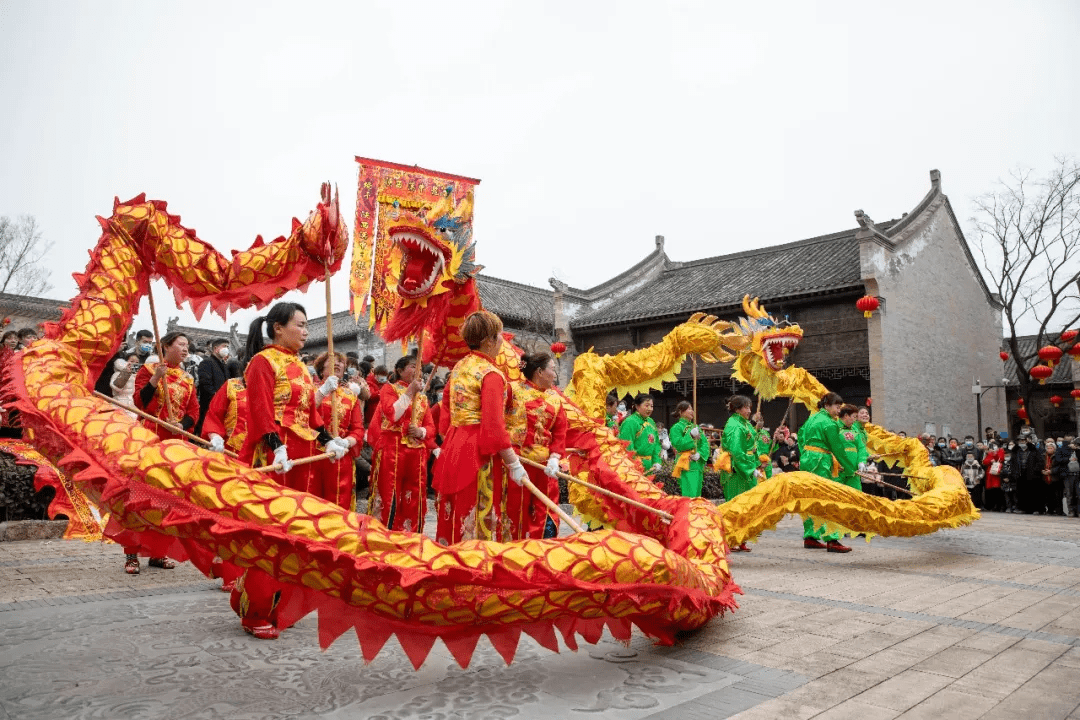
[(593, 126)]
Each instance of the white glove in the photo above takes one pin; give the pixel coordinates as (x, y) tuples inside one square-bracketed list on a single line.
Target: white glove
[(337, 446), (329, 386), (436, 452), (217, 443), (517, 471), (695, 457), (655, 468), (552, 465), (695, 433), (354, 388), (281, 457), (666, 444), (759, 474)]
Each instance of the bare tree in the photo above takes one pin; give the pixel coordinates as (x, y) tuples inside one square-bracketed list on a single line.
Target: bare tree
[(22, 250), (1028, 232)]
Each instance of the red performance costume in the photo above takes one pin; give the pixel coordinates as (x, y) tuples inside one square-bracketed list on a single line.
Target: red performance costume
[(281, 402), (545, 433), (399, 468), (335, 480), (182, 408), (227, 415), (469, 474)]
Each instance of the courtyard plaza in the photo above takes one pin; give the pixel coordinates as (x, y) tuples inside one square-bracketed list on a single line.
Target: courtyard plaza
[(977, 622)]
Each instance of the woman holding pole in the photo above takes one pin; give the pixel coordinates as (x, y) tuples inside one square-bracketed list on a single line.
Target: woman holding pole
[(477, 454), (740, 441), (335, 480), (693, 448), (165, 391), (284, 424), (544, 442)]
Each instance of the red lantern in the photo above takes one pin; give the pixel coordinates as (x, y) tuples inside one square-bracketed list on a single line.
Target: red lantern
[(1051, 354), (1022, 414), (1020, 402), (7, 321), (1075, 394), (1056, 400), (869, 402), (1075, 352), (1004, 356), (1041, 373), (1069, 335), (868, 304), (558, 348)]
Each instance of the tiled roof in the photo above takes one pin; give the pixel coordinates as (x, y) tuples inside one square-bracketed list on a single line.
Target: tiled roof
[(343, 323), (825, 263), (1063, 371), (198, 337), (517, 304), (31, 306)]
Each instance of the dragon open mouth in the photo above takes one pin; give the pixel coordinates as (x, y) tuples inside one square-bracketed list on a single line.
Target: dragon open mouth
[(775, 348), (422, 261)]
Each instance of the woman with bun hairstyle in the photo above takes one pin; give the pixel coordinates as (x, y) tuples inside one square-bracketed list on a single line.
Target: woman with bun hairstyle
[(822, 452), (693, 448), (740, 441), (544, 442), (477, 456), (639, 429)]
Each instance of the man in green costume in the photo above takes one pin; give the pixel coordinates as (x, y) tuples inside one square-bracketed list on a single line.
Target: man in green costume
[(693, 448), (822, 452), (854, 446), (639, 429)]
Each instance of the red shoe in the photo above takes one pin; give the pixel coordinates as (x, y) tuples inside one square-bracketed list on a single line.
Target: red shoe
[(835, 546), (131, 565), (228, 586), (744, 548), (813, 544), (263, 632)]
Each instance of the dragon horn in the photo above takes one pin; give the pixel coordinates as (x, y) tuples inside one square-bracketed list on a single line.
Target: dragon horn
[(752, 308)]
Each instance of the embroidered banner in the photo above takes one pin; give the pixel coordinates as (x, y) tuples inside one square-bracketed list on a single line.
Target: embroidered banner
[(391, 194)]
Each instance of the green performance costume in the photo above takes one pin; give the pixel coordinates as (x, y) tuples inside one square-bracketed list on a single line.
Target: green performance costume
[(644, 440), (740, 440), (855, 449), (690, 479), (819, 443), (764, 445)]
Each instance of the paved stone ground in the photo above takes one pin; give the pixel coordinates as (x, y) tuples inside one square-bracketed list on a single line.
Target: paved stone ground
[(977, 622)]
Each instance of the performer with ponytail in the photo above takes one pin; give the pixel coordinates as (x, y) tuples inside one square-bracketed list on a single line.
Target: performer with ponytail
[(284, 424), (544, 442), (164, 390), (740, 441), (405, 439), (693, 448), (822, 452), (335, 479), (477, 455)]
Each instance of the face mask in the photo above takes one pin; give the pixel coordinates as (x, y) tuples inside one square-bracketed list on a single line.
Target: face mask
[(145, 348), (380, 379), (622, 407), (350, 372), (941, 445), (969, 444), (223, 353), (438, 396), (311, 369)]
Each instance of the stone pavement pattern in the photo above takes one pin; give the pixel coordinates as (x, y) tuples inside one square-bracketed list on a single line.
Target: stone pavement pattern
[(976, 622)]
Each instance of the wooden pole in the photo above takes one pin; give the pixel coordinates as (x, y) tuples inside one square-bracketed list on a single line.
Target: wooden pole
[(550, 505), (883, 484), (160, 352), (331, 358), (693, 380), (603, 491), (301, 461), (168, 426), (772, 445)]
